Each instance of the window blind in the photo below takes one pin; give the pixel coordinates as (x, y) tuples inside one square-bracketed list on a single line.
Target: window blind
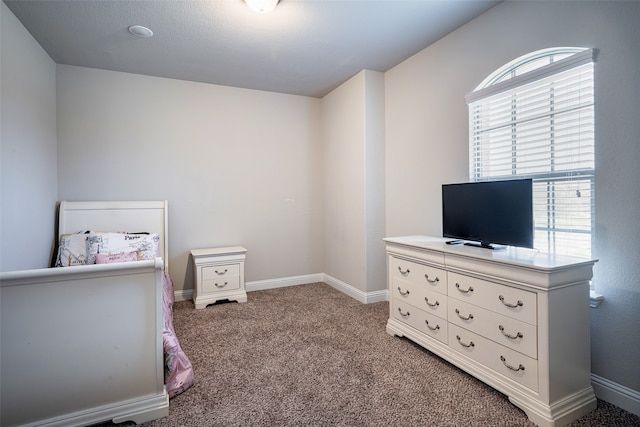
[(542, 128)]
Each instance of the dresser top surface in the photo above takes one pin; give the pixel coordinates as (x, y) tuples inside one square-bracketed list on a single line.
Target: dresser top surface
[(523, 257)]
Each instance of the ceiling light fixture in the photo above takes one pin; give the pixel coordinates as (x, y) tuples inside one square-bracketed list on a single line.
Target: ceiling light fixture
[(140, 31), (262, 6)]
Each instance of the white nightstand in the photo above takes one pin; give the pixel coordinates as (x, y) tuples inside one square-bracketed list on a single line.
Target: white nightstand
[(219, 275)]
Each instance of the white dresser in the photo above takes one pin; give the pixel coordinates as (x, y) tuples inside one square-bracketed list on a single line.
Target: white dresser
[(514, 318), (219, 275)]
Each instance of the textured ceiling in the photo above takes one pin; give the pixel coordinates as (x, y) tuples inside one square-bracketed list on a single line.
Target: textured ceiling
[(303, 47)]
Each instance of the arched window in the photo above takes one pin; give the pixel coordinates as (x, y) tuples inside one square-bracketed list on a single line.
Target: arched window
[(534, 118)]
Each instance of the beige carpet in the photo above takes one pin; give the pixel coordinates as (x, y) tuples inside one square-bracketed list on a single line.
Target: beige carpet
[(312, 356)]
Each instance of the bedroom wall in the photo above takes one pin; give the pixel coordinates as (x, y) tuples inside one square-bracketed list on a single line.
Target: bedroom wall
[(353, 152), (28, 169), (427, 140), (238, 167)]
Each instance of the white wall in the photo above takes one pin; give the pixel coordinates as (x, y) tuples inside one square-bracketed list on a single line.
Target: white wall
[(374, 182), (28, 189), (427, 140), (352, 140), (238, 167)]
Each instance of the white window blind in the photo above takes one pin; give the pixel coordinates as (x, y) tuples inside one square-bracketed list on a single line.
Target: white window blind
[(540, 124)]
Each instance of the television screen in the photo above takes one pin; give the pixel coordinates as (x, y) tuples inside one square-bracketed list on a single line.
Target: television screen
[(489, 212)]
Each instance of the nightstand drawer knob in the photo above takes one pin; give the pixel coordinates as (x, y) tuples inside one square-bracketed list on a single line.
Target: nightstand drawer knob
[(218, 285), (221, 272)]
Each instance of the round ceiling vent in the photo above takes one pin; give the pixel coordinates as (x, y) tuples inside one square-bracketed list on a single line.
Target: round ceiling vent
[(140, 31)]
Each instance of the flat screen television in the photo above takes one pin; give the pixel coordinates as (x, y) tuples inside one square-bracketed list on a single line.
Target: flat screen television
[(489, 213)]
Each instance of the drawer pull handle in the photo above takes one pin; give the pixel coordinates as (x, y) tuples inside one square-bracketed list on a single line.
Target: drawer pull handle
[(513, 337), (463, 290), (434, 281), (221, 286), (404, 273), (470, 345), (504, 361), (403, 314), (404, 294), (435, 304), (516, 305), (433, 328), (462, 317), (221, 272)]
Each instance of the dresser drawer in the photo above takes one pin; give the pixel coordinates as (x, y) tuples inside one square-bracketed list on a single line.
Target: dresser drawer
[(511, 364), (431, 277), (426, 323), (512, 333), (512, 302), (221, 284), (218, 271), (420, 297)]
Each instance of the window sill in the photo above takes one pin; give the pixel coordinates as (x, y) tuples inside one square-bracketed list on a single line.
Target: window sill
[(595, 299)]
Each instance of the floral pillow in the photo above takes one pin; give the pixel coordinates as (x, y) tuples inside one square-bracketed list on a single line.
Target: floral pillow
[(144, 244), (108, 259), (73, 249)]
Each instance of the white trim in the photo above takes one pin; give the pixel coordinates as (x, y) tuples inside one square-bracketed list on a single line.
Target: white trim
[(595, 299), (183, 295), (138, 410), (258, 285), (584, 57), (355, 293), (616, 394)]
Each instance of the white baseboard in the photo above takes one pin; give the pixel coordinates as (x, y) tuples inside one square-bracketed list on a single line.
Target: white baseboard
[(616, 394), (357, 294), (183, 295), (258, 285)]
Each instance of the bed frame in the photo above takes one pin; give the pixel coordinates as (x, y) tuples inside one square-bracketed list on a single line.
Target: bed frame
[(81, 345)]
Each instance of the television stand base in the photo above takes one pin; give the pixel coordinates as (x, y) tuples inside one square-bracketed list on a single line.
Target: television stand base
[(485, 245)]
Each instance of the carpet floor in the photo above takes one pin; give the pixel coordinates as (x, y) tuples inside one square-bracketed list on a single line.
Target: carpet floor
[(310, 355)]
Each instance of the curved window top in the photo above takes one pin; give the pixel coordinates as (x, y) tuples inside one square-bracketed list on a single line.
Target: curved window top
[(529, 62), (532, 67)]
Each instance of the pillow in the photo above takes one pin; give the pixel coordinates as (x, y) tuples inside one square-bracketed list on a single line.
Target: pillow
[(73, 249), (146, 245), (108, 259)]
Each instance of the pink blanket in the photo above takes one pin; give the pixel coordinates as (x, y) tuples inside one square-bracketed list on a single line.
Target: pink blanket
[(178, 372)]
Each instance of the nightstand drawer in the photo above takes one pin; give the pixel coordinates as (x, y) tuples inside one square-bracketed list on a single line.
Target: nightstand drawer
[(219, 271), (221, 284)]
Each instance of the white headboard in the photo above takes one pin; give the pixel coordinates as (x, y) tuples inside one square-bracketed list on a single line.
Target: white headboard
[(143, 216)]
